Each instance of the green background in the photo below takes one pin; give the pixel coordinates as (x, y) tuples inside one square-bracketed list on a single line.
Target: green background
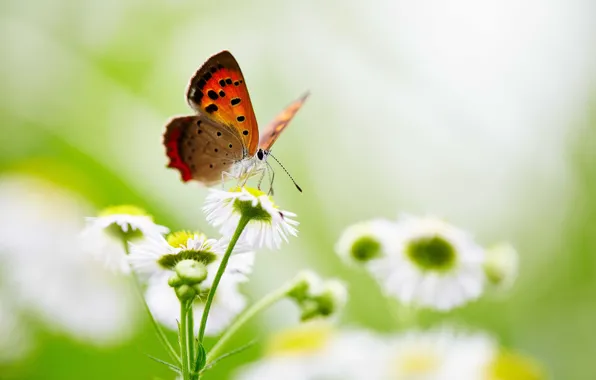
[(481, 112)]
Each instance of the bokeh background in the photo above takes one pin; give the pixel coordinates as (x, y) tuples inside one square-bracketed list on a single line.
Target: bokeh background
[(482, 112)]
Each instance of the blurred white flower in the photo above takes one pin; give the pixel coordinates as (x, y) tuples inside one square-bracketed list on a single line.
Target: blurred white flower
[(16, 342), (105, 237), (501, 266), (365, 241), (293, 354), (268, 225), (315, 351), (439, 354), (437, 265), (44, 274)]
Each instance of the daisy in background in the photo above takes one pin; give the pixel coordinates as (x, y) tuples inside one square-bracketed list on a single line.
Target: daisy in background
[(317, 351), (267, 224), (366, 243), (157, 260), (107, 235), (422, 262), (436, 266), (45, 278)]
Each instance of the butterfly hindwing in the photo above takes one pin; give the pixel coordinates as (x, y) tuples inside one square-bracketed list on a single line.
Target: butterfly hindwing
[(201, 149), (218, 92), (281, 121)]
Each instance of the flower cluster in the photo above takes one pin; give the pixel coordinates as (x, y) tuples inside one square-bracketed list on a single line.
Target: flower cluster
[(183, 265), (426, 262), (192, 283), (318, 351)]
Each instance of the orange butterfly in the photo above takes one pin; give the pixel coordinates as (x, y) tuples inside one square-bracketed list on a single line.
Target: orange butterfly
[(223, 138)]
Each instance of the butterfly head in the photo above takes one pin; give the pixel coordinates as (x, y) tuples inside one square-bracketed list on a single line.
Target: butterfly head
[(262, 154)]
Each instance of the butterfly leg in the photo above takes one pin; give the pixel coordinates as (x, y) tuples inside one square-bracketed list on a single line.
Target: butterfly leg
[(271, 172), (262, 176), (226, 176)]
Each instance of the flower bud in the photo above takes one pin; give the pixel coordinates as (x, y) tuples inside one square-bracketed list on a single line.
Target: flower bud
[(501, 266), (185, 292), (191, 272), (318, 298)]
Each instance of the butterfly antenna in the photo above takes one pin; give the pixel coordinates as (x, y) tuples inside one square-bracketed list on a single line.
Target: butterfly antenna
[(288, 173)]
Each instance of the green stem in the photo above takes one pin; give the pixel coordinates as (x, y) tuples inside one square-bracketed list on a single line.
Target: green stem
[(257, 307), (190, 336), (220, 271), (184, 338)]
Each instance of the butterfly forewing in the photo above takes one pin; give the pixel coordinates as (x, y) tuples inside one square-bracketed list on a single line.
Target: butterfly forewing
[(281, 121), (218, 92), (202, 149)]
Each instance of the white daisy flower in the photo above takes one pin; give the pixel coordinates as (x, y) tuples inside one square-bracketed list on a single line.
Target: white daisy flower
[(158, 261), (436, 266), (48, 278), (439, 354), (106, 236), (317, 297), (157, 256), (313, 352), (227, 303), (501, 266), (365, 241), (293, 354), (268, 225)]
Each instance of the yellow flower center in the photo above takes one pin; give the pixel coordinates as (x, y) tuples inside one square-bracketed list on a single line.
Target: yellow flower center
[(179, 239), (417, 362), (303, 340), (124, 210), (513, 366)]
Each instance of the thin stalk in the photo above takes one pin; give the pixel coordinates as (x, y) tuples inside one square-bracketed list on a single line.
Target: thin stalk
[(183, 338), (190, 336), (257, 307), (220, 271)]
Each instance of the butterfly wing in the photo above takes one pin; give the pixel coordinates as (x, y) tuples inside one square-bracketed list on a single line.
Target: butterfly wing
[(201, 149), (281, 121), (218, 91)]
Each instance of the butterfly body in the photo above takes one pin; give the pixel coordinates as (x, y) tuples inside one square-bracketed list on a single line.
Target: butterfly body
[(222, 140)]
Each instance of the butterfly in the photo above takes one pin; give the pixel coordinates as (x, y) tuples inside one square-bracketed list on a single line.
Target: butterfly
[(222, 139)]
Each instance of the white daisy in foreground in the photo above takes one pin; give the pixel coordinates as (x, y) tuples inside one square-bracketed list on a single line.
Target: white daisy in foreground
[(227, 303), (436, 265), (157, 255), (268, 225), (107, 235), (160, 260)]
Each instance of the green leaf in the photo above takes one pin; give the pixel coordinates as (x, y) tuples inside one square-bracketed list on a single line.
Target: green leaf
[(169, 365), (227, 355), (201, 358)]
